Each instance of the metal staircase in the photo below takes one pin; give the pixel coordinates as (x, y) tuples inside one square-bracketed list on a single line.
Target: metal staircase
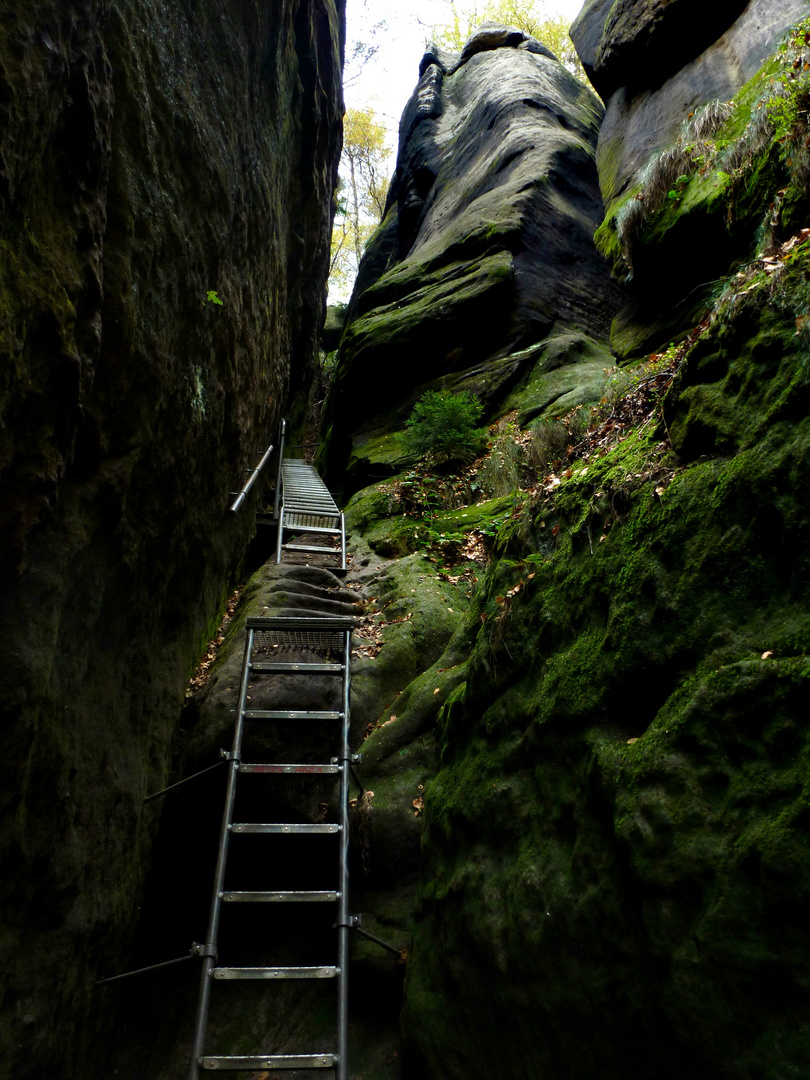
[(279, 649), (307, 508)]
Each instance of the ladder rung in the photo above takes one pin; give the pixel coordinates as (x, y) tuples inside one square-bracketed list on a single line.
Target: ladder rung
[(291, 714), (258, 827), (307, 499), (312, 548), (275, 1061), (328, 518), (278, 897), (315, 529), (306, 669), (275, 972), (290, 770)]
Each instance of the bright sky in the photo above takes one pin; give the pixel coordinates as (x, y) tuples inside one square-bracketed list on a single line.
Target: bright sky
[(389, 79)]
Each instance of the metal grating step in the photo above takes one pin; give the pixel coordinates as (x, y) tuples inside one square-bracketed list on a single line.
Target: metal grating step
[(234, 973), (274, 1061), (284, 830), (279, 897)]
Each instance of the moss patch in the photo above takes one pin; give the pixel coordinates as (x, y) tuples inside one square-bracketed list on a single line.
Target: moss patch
[(619, 835)]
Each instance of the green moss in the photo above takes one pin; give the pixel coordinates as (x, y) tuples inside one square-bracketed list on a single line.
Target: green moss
[(623, 802)]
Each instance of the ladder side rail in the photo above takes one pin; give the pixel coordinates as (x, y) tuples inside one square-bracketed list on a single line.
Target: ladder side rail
[(282, 437), (342, 542), (209, 957), (341, 1072)]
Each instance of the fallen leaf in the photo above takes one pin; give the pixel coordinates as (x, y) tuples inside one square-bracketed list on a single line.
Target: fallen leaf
[(631, 741), (767, 655), (602, 538), (437, 690), (555, 530), (418, 805)]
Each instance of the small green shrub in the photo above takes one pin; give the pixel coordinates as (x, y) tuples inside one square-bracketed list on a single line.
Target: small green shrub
[(443, 426)]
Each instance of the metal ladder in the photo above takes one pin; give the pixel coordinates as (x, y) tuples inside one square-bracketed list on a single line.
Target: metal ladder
[(279, 647), (307, 507)]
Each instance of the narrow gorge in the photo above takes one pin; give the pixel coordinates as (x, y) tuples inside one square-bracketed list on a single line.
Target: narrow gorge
[(580, 673)]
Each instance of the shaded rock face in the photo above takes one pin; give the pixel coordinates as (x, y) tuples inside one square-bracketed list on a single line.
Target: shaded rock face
[(149, 153), (486, 246), (655, 64), (616, 849), (643, 42), (616, 846)]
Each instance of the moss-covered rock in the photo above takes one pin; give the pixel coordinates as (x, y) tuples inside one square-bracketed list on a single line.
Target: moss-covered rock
[(618, 838), (691, 171)]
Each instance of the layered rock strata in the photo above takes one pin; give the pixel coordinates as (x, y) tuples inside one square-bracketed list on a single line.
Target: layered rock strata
[(485, 254), (656, 64)]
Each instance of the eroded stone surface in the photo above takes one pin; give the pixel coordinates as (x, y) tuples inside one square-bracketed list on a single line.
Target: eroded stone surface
[(647, 116), (149, 153), (486, 245)]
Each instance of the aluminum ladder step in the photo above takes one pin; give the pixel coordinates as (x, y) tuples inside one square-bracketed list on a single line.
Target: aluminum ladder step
[(292, 714), (298, 896), (289, 770), (281, 829), (239, 973), (267, 667), (322, 530), (313, 549), (274, 1061)]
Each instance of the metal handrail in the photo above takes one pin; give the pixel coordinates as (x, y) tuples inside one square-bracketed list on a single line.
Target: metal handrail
[(282, 436), (240, 497)]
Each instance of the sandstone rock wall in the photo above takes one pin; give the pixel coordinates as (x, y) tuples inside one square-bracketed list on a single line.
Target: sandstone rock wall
[(149, 153), (655, 65), (485, 254)]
